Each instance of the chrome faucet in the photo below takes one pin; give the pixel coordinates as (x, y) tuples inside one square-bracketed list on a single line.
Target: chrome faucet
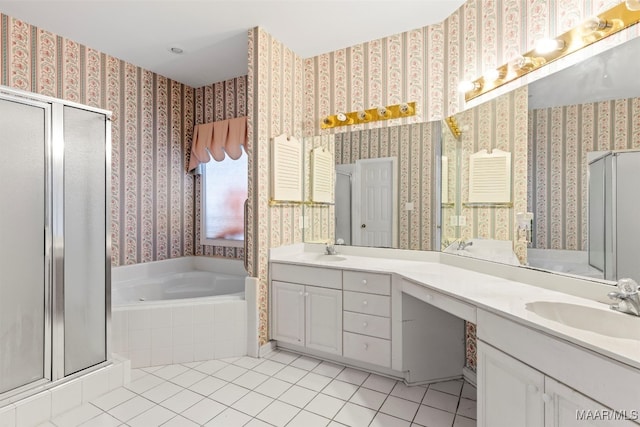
[(462, 244), (627, 296), (330, 249)]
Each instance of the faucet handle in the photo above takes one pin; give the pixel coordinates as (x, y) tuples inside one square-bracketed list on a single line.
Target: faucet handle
[(628, 286)]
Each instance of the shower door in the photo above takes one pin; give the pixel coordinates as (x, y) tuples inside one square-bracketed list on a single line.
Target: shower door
[(25, 244)]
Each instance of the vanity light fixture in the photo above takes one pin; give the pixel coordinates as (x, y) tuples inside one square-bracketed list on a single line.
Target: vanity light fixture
[(406, 109), (611, 21)]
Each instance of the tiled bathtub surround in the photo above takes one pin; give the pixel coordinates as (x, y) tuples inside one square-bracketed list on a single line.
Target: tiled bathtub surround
[(161, 334), (53, 402), (182, 330), (284, 389)]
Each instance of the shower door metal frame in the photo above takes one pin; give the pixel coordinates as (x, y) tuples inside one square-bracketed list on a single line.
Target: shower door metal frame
[(54, 241), (47, 230)]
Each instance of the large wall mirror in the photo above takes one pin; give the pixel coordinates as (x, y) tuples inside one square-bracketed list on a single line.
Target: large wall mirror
[(571, 138), (386, 188)]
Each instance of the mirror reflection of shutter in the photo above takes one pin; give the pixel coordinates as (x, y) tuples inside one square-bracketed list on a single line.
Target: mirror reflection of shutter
[(322, 166), (490, 177)]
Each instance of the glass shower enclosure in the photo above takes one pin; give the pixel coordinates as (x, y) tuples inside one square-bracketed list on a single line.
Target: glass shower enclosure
[(54, 241)]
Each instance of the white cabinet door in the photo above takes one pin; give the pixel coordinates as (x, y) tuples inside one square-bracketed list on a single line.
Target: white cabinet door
[(288, 312), (567, 408), (509, 392), (324, 319)]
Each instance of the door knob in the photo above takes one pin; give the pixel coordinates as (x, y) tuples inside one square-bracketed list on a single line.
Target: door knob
[(363, 226)]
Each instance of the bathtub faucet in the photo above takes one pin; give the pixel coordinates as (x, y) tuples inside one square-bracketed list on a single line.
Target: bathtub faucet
[(462, 244)]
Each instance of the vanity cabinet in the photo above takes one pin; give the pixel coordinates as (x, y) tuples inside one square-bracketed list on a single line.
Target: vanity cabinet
[(308, 315), (308, 312), (509, 392), (367, 317), (527, 378)]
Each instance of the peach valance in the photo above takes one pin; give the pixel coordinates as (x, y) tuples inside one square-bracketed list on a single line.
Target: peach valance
[(218, 138)]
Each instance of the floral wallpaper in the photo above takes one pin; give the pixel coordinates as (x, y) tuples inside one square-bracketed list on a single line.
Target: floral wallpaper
[(154, 202), (498, 124), (415, 146), (275, 107), (559, 140)]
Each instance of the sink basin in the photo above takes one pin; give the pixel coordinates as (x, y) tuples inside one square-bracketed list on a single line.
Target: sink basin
[(600, 321), (311, 256)]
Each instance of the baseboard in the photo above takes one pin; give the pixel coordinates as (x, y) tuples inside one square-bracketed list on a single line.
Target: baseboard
[(266, 348), (469, 376)]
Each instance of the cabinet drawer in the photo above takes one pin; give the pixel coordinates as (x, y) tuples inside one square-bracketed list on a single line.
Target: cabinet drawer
[(366, 324), (367, 282), (367, 303), (367, 349), (314, 276)]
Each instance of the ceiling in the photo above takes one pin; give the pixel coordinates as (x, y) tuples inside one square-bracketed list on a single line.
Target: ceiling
[(213, 33)]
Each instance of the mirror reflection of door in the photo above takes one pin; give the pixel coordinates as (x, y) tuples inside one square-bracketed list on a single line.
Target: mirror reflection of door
[(374, 203)]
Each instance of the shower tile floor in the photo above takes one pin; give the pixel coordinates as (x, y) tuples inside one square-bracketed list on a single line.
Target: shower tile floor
[(281, 389)]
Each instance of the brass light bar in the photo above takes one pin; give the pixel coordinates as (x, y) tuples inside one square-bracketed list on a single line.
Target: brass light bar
[(590, 31), (389, 112)]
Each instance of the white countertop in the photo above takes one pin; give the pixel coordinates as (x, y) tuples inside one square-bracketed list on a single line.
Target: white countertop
[(502, 296)]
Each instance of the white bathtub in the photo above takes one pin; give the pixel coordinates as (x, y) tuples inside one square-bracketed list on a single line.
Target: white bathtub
[(179, 310)]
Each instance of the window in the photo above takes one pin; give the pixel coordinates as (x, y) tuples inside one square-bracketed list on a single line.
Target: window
[(224, 190)]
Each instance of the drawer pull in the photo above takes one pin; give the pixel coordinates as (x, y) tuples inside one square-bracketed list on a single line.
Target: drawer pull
[(532, 388), (365, 324), (364, 302), (364, 281), (301, 293), (366, 346), (547, 398), (428, 297), (306, 294)]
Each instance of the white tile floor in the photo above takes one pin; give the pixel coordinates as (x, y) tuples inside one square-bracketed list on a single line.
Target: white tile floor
[(283, 389)]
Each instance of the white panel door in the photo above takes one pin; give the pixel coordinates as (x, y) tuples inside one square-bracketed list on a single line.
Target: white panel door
[(324, 319), (509, 392), (568, 408), (376, 205), (288, 312)]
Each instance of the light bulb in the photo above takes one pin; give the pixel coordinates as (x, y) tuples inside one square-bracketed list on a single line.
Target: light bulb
[(544, 46), (595, 24), (342, 117), (382, 111), (493, 75), (405, 108), (364, 116), (468, 86), (632, 4)]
